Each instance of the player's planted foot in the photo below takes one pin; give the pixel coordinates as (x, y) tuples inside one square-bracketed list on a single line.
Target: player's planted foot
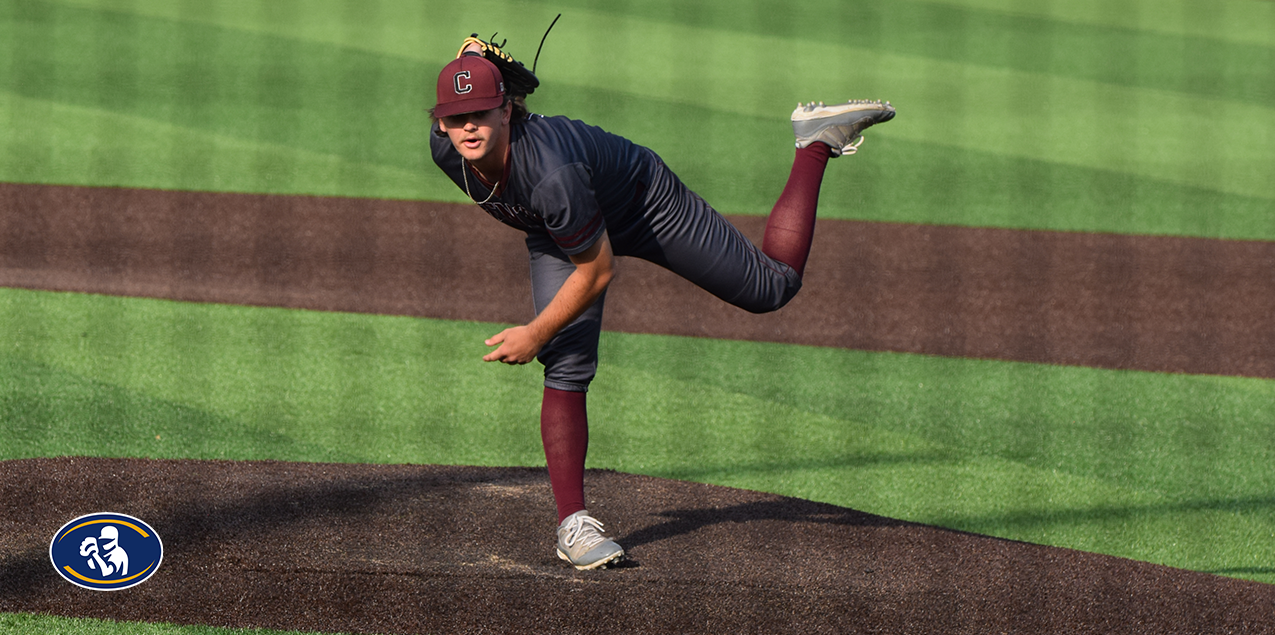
[(580, 542), (840, 126)]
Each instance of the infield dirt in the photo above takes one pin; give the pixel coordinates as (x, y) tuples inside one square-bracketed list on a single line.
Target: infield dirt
[(1162, 304)]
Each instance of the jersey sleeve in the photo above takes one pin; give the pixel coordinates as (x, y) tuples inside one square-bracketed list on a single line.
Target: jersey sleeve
[(570, 208)]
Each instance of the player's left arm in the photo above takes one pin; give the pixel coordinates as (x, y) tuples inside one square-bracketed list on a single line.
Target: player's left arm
[(595, 269)]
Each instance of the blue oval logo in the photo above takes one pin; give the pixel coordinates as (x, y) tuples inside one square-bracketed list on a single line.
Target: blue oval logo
[(106, 552)]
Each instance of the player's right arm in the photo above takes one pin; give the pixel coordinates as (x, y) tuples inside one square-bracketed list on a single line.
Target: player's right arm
[(595, 269)]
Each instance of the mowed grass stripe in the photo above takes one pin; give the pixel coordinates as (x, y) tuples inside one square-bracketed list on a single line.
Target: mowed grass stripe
[(412, 30), (990, 105), (1097, 460), (394, 27), (1105, 43), (302, 79), (960, 187), (929, 180), (98, 146), (316, 98), (24, 623), (1233, 21), (1094, 123), (1148, 431)]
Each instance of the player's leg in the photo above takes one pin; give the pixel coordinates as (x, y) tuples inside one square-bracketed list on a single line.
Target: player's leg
[(690, 238), (564, 430), (570, 361), (790, 228), (687, 236), (571, 357), (822, 132)]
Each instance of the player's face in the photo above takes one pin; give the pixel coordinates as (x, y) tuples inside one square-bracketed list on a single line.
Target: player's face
[(477, 134)]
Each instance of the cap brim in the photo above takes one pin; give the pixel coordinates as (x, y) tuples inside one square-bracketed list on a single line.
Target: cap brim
[(468, 105)]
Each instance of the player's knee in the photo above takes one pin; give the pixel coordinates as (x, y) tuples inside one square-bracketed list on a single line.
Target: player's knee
[(769, 298)]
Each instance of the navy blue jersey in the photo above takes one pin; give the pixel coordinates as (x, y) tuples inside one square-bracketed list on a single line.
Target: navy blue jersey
[(566, 182), (565, 178)]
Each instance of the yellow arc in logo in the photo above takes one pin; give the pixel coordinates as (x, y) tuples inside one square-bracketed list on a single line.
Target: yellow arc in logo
[(111, 521), (72, 572)]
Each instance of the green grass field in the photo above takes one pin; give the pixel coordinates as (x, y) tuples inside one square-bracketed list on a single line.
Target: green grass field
[(1128, 116), (43, 624), (1120, 116)]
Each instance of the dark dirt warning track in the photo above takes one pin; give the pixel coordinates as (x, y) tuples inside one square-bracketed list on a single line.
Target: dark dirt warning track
[(407, 549), (1149, 303)]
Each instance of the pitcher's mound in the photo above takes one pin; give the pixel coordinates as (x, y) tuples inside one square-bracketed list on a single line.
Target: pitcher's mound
[(435, 549)]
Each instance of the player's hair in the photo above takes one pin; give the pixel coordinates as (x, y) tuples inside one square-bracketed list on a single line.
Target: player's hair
[(520, 113), (520, 109)]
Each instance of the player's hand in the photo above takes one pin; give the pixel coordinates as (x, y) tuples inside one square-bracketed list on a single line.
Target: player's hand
[(517, 345)]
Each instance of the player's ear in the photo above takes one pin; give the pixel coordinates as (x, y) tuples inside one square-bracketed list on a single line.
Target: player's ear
[(436, 123), (507, 111)]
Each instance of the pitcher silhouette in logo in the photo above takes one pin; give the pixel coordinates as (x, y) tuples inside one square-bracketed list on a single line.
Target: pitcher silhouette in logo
[(116, 562)]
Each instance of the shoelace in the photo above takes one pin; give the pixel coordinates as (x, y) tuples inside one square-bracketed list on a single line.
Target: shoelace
[(583, 527), (853, 147)]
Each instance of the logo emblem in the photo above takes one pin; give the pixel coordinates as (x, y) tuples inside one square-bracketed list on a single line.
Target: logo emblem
[(106, 552), (461, 89)]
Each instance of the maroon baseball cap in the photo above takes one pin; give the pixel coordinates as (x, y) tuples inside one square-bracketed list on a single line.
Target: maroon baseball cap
[(469, 84)]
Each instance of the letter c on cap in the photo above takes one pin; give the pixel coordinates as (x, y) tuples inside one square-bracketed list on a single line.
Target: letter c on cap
[(461, 89)]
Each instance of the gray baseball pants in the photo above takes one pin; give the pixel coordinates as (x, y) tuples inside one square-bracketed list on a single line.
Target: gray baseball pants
[(679, 231)]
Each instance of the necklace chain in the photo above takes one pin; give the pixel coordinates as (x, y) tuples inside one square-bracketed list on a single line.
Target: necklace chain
[(465, 174)]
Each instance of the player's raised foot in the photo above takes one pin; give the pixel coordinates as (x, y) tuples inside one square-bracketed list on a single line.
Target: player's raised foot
[(840, 126), (580, 542)]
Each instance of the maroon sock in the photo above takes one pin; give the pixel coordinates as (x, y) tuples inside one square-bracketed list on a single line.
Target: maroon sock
[(564, 429), (791, 225)]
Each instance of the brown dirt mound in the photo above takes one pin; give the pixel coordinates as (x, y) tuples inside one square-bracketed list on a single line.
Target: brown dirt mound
[(410, 549)]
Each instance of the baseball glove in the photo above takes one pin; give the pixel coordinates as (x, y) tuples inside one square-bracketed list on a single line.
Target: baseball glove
[(518, 80)]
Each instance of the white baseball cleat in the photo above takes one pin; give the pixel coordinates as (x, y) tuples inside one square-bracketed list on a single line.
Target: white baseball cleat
[(580, 542), (840, 126)]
